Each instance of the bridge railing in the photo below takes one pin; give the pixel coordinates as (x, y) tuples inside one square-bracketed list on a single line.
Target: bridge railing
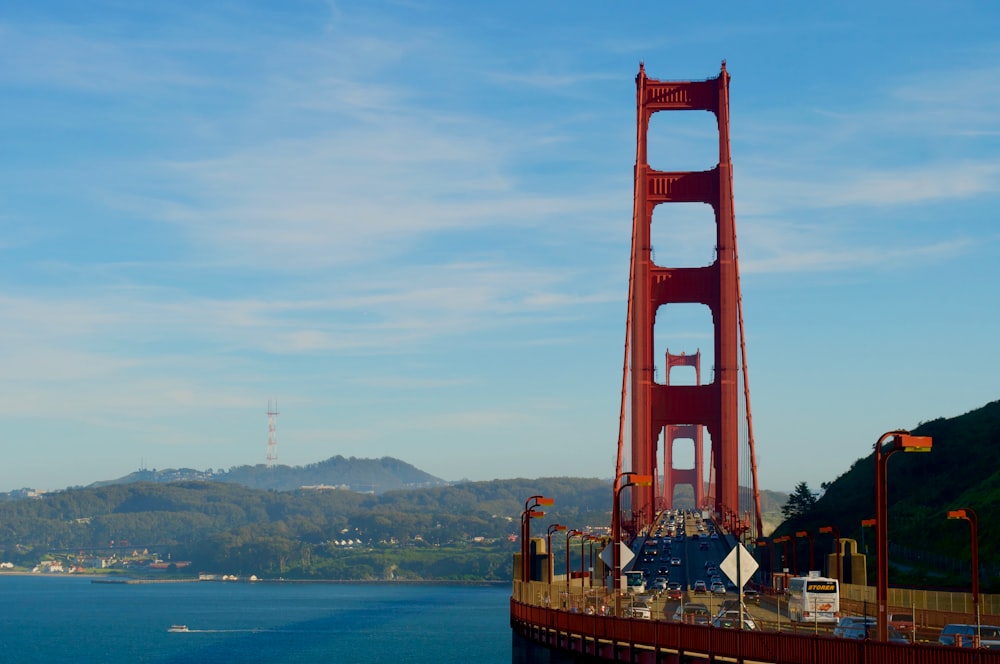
[(931, 609), (615, 638)]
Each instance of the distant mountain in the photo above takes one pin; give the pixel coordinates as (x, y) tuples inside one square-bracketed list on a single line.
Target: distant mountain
[(360, 475)]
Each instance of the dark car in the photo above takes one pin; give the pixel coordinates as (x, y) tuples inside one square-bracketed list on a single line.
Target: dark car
[(865, 628), (751, 595), (989, 635), (692, 614)]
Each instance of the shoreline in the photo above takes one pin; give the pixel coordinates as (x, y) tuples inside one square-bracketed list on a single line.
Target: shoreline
[(121, 579)]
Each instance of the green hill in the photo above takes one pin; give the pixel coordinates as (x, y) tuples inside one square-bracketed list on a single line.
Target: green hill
[(962, 470), (362, 475), (452, 532)]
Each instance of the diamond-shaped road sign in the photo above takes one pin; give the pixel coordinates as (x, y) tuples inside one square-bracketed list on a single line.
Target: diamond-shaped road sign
[(739, 566), (625, 555)]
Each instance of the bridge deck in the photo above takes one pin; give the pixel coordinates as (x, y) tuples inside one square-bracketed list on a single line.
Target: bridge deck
[(614, 639)]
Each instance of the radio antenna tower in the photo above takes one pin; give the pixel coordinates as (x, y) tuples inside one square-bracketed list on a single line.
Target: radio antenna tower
[(272, 433)]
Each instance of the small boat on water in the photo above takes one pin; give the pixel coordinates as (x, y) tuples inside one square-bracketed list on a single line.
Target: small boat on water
[(178, 628)]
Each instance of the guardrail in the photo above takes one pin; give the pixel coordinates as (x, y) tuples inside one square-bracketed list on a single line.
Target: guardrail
[(617, 638)]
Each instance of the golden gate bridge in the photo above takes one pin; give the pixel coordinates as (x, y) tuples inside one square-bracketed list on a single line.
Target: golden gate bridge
[(713, 416)]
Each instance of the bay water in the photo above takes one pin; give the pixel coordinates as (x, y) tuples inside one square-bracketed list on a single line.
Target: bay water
[(70, 619)]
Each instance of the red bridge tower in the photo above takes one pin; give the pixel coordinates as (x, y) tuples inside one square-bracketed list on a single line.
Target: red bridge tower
[(714, 405), (673, 476)]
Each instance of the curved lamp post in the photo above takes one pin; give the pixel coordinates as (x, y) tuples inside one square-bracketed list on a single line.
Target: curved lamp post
[(967, 514), (808, 535), (527, 515), (770, 556), (591, 541), (634, 479), (569, 534), (833, 530), (898, 440), (553, 527), (784, 540)]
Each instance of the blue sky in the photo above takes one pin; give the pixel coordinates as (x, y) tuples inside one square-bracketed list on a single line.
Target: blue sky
[(409, 223)]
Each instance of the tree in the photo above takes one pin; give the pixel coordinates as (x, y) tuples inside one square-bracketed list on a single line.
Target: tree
[(800, 502)]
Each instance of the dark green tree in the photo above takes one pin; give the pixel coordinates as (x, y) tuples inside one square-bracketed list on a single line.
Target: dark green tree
[(799, 503)]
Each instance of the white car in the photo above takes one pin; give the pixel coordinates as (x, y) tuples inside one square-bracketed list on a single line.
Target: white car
[(675, 562), (641, 611)]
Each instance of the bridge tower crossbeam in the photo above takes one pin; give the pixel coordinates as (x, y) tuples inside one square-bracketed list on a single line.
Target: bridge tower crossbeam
[(673, 476), (713, 405)]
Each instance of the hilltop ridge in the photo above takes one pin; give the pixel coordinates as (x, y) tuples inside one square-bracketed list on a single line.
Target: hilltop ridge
[(351, 473)]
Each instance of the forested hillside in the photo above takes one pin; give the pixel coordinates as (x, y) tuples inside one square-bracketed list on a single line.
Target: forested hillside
[(452, 532), (961, 471)]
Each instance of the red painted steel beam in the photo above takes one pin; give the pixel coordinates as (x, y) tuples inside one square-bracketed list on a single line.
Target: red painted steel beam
[(715, 405)]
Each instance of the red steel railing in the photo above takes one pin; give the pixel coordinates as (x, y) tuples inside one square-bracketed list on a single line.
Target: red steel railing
[(626, 639)]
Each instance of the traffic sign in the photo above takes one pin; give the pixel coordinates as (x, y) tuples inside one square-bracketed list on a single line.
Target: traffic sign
[(625, 555), (739, 566)]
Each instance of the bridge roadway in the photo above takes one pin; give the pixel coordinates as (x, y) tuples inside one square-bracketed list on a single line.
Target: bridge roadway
[(576, 624)]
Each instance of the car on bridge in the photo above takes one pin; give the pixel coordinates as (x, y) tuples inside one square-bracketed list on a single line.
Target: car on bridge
[(699, 587), (731, 620), (902, 621), (867, 630), (640, 610), (989, 635), (692, 613), (659, 583), (718, 588), (675, 591)]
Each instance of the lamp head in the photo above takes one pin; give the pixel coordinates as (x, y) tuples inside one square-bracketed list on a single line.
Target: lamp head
[(909, 443), (639, 480)]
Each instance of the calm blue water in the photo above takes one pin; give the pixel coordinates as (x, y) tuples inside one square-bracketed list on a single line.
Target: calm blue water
[(66, 619)]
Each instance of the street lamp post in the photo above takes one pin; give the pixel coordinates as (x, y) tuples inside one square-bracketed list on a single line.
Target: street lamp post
[(809, 536), (569, 534), (553, 527), (898, 440), (770, 557), (833, 530), (634, 480), (590, 547), (967, 514), (783, 540), (527, 515), (865, 523)]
